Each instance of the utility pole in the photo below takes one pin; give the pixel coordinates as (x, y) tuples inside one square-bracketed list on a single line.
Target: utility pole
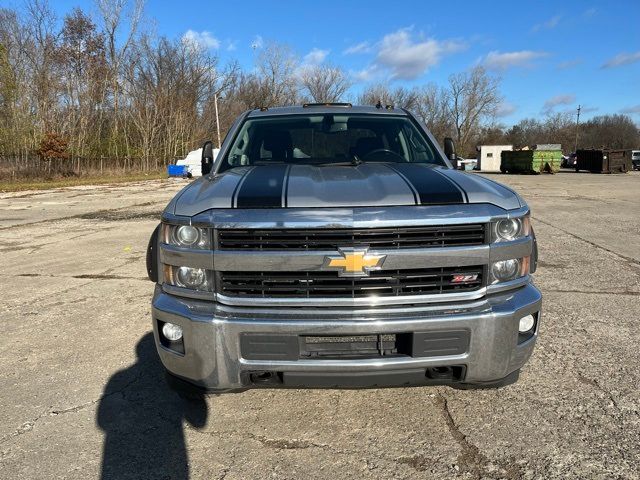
[(215, 102), (577, 124)]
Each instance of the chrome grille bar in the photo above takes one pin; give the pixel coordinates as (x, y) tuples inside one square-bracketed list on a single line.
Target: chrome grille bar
[(321, 239), (328, 284)]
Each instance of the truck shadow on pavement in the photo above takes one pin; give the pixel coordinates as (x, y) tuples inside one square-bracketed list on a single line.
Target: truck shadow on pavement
[(143, 421)]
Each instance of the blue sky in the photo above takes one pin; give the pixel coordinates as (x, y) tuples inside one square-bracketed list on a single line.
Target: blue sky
[(550, 55)]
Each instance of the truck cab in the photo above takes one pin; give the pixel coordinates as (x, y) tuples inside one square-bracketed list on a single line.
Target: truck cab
[(334, 246)]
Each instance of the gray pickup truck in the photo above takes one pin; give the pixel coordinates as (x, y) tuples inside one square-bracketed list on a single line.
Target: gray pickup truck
[(334, 246)]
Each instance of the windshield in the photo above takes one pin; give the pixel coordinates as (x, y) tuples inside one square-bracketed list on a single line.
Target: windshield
[(329, 139)]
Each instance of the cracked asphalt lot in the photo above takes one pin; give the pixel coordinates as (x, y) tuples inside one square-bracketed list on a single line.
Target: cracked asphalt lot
[(82, 393)]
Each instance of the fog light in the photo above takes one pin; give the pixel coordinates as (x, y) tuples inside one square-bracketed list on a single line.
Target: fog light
[(172, 332), (526, 324), (505, 269), (191, 277)]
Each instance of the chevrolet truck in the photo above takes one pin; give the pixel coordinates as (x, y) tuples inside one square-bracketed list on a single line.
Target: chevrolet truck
[(331, 245)]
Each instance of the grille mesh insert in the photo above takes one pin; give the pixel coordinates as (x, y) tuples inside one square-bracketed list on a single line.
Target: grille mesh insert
[(330, 239), (328, 284)]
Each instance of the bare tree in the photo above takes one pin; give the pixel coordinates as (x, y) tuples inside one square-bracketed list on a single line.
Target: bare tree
[(382, 93), (92, 90), (276, 67), (13, 84), (604, 131), (168, 84), (38, 49), (473, 98), (609, 131), (80, 58), (113, 12), (324, 83), (432, 108)]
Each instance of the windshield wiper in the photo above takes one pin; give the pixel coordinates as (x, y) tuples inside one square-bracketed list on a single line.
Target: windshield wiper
[(355, 161)]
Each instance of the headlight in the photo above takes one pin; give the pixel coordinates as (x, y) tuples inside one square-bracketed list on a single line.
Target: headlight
[(187, 236), (506, 270), (509, 229), (187, 277)]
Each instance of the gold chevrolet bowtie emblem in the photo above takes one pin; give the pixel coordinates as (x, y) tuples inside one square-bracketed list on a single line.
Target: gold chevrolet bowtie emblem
[(354, 262)]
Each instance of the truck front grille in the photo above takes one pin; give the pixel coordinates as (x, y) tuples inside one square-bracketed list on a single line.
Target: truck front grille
[(329, 239), (422, 281)]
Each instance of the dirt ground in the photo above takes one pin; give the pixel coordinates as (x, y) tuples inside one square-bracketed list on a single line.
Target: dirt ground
[(82, 392)]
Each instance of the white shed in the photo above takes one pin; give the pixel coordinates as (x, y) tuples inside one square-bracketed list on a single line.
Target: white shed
[(489, 157), (193, 161)]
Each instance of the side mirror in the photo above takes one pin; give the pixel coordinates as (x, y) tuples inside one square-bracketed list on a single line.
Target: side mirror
[(449, 149), (206, 160)]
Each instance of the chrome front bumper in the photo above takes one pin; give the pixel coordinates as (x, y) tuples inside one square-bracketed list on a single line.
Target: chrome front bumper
[(213, 358)]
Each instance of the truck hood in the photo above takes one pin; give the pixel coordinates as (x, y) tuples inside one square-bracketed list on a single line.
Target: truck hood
[(365, 185)]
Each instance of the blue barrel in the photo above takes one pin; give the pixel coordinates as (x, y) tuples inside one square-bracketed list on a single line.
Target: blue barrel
[(177, 170)]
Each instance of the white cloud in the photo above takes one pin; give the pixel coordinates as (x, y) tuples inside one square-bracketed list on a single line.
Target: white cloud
[(590, 12), (257, 43), (401, 55), (372, 72), (315, 57), (232, 45), (408, 59), (312, 59), (553, 102), (202, 39), (548, 25), (501, 61), (362, 47), (635, 109), (505, 109), (622, 59)]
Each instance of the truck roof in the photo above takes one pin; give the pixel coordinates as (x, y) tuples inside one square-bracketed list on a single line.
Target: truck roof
[(311, 108)]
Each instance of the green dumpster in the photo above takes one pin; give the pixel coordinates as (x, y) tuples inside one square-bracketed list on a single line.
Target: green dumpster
[(530, 161)]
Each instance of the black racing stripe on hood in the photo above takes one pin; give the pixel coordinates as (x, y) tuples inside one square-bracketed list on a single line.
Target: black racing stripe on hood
[(262, 187), (448, 177), (409, 184), (433, 188), (238, 185)]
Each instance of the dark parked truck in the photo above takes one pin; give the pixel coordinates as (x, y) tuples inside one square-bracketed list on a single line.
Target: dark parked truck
[(335, 246), (604, 161)]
